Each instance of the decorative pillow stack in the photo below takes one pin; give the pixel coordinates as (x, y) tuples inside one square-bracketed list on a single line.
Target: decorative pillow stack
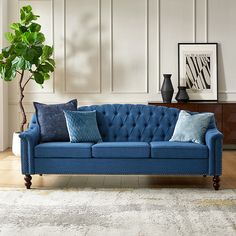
[(192, 128), (52, 121), (82, 126)]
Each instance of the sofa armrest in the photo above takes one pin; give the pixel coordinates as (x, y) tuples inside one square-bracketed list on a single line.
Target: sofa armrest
[(214, 142), (29, 139)]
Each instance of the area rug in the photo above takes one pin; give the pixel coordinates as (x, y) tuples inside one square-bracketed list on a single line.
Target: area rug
[(128, 212)]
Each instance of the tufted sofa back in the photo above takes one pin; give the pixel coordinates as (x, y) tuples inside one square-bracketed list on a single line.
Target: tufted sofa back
[(128, 122)]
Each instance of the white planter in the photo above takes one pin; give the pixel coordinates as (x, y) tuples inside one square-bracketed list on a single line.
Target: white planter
[(16, 144)]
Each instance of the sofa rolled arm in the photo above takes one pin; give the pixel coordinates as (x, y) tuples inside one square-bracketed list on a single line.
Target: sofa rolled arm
[(29, 139), (214, 140)]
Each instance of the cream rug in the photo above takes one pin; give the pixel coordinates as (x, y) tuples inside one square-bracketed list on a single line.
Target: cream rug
[(113, 212)]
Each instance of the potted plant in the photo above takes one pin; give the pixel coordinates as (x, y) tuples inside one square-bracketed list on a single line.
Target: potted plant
[(27, 52)]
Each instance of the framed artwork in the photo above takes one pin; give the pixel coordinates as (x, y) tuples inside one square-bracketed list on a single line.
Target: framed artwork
[(198, 70)]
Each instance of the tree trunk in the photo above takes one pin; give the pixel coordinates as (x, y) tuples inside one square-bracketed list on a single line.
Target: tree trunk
[(24, 119)]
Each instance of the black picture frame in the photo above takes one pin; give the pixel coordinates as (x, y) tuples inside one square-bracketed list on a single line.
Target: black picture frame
[(194, 47)]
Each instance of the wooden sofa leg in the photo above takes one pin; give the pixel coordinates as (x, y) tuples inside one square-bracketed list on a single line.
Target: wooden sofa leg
[(28, 183), (216, 182), (40, 174), (204, 175)]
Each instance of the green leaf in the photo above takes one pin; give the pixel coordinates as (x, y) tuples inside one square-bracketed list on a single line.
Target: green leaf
[(39, 50), (44, 68), (23, 29), (28, 66), (30, 17), (1, 56), (29, 37), (19, 63), (38, 77), (26, 15), (40, 38), (22, 15), (2, 70), (52, 62), (15, 26), (36, 62), (6, 51), (20, 49), (30, 54), (27, 9), (34, 27), (10, 74), (9, 60), (46, 76), (10, 37), (18, 37), (51, 68), (47, 52)]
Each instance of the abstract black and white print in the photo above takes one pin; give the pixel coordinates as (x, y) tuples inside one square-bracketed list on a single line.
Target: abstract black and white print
[(198, 71)]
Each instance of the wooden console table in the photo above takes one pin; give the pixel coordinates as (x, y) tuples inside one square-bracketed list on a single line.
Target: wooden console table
[(225, 114)]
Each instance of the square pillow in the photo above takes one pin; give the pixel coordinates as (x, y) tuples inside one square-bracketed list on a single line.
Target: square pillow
[(191, 128), (52, 121), (82, 126)]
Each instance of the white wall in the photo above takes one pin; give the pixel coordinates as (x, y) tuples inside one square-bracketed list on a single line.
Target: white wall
[(110, 51), (3, 85)]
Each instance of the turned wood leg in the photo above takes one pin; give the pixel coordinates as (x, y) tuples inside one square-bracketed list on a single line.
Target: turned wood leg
[(216, 182), (204, 175), (28, 181)]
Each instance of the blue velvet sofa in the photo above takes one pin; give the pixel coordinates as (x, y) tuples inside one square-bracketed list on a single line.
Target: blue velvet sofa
[(135, 141)]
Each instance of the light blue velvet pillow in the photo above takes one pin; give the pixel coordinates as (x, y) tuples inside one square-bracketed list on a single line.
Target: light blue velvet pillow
[(191, 128), (82, 126)]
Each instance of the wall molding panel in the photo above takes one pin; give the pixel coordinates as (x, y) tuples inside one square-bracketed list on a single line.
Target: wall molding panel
[(135, 68), (82, 46)]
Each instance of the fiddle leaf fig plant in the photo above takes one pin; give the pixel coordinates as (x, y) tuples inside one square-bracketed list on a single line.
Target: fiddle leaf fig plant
[(27, 52)]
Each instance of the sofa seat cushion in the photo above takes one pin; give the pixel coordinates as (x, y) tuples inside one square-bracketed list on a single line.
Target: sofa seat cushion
[(168, 149), (63, 150), (121, 150)]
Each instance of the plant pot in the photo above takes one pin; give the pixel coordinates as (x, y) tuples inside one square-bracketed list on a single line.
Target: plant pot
[(167, 90), (16, 141)]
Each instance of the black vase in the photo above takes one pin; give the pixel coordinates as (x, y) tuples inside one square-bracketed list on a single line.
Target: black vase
[(182, 95), (167, 90)]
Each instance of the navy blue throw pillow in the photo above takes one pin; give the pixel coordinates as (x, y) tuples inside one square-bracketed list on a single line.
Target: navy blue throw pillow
[(52, 121), (82, 126)]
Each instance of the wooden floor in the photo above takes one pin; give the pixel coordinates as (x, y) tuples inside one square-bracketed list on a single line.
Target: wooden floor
[(10, 176)]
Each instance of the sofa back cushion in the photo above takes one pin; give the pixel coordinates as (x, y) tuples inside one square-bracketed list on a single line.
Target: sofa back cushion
[(129, 122)]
